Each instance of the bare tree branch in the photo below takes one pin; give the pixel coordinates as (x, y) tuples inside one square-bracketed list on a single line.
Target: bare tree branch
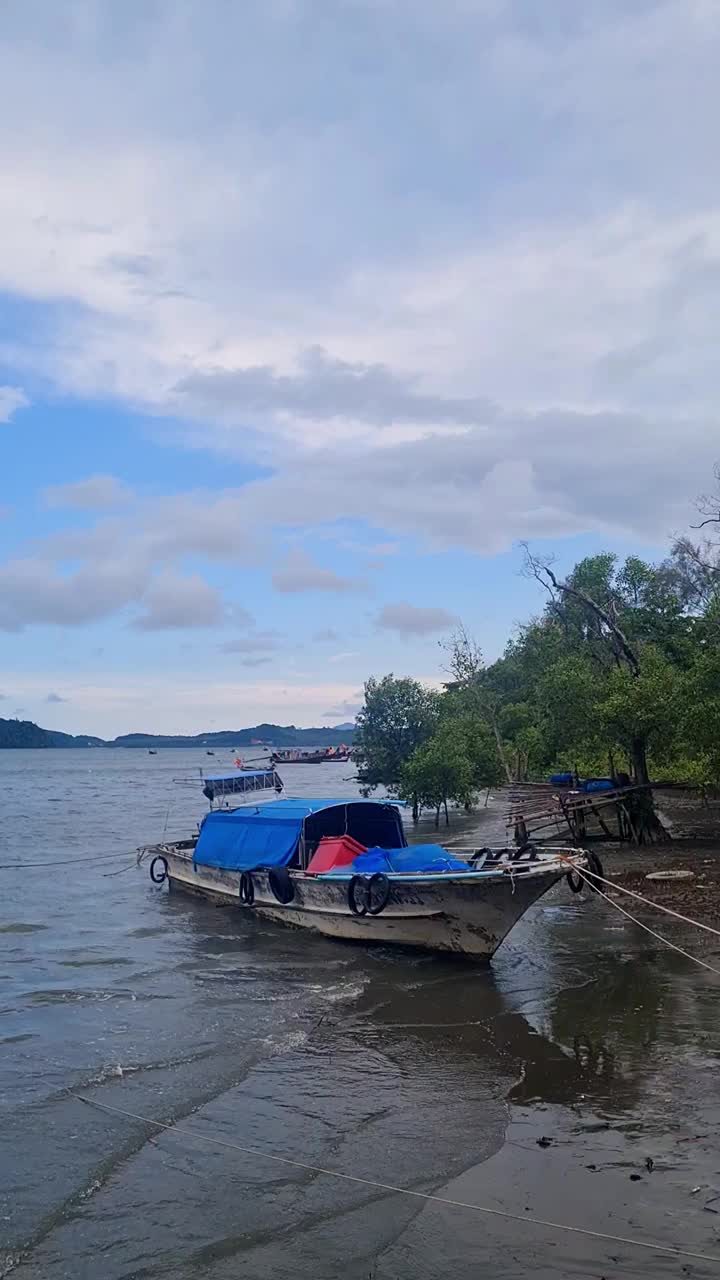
[(545, 575), (709, 504)]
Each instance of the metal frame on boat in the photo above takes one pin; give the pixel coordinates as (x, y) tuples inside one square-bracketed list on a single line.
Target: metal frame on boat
[(258, 857)]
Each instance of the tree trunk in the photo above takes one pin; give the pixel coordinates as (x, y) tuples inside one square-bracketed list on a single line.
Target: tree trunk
[(416, 808), (437, 817), (638, 752), (641, 804), (502, 755), (447, 815)]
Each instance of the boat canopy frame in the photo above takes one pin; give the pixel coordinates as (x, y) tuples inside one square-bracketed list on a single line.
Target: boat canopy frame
[(241, 782)]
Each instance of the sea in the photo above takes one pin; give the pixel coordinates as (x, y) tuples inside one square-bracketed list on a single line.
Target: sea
[(572, 1082)]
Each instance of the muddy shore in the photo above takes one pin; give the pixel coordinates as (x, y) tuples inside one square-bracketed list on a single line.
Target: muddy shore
[(693, 848)]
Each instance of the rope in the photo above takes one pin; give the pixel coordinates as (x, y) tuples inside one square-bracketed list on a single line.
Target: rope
[(657, 905), (405, 1191), (62, 862), (646, 927)]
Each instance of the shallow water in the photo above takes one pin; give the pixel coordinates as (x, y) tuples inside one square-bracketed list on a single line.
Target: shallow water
[(422, 1072)]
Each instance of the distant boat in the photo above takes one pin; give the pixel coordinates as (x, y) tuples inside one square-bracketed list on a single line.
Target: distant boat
[(291, 755), (209, 753), (152, 751)]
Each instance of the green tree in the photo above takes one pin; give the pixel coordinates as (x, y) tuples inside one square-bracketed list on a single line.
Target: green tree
[(613, 617), (396, 717), (438, 772), (471, 695), (699, 718)]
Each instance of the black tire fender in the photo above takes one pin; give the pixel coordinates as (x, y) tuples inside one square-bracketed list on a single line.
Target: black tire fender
[(352, 899), (162, 877), (381, 885), (281, 883), (528, 851), (575, 881), (247, 889), (595, 865)]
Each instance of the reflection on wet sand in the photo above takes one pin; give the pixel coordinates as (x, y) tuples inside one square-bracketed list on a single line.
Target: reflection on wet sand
[(461, 1027)]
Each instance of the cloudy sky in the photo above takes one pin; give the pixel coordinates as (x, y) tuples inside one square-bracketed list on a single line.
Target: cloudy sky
[(311, 309)]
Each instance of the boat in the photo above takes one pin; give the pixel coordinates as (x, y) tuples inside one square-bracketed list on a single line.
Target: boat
[(309, 863), (293, 755), (152, 751)]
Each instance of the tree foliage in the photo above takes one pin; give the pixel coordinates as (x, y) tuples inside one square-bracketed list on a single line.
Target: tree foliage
[(620, 672), (438, 772), (397, 716)]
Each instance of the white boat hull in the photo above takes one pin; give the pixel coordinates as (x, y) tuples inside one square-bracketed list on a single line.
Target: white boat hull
[(469, 913)]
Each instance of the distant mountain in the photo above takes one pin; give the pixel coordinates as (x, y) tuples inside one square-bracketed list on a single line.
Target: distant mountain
[(23, 733), (261, 734)]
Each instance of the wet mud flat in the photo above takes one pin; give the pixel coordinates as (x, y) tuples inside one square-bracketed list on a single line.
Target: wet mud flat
[(573, 1080), (692, 886)]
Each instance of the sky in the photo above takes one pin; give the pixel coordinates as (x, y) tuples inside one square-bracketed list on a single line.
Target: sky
[(311, 311)]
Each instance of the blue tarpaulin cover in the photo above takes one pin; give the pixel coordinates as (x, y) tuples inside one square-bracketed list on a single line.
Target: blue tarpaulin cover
[(417, 857), (242, 842), (263, 835)]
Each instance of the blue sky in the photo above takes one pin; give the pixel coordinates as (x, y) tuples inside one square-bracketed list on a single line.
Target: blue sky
[(311, 311)]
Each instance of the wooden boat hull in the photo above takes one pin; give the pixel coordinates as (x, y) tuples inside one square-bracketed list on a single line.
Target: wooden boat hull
[(469, 914)]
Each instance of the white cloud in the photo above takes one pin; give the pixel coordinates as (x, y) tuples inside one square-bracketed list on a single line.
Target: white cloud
[(300, 573), (55, 697), (254, 642), (412, 620), (463, 354), (345, 710), (324, 388), (166, 285), (11, 399), (34, 591), (96, 493), (173, 601)]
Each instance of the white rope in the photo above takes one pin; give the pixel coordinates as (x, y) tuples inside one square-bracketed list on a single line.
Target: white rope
[(63, 862), (646, 927), (405, 1191), (649, 902)]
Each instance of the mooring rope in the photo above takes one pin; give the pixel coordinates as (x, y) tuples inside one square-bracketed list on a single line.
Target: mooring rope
[(63, 862), (649, 902), (404, 1191), (673, 945)]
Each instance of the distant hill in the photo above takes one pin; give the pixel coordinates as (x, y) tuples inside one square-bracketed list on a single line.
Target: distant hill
[(23, 733), (260, 735)]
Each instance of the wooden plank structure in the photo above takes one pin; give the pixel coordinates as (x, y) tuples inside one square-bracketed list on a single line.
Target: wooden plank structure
[(541, 810)]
